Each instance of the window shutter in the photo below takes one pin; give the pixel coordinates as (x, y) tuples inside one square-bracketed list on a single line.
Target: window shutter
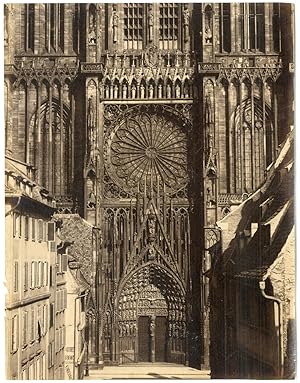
[(64, 262), (46, 273)]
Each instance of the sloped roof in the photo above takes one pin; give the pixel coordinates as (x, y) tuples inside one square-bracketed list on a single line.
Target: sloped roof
[(77, 230), (276, 197)]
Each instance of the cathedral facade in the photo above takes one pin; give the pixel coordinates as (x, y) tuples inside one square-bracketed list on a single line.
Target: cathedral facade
[(151, 121)]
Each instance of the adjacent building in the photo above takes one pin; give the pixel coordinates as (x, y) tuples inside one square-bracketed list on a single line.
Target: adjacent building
[(30, 266), (151, 122), (253, 281)]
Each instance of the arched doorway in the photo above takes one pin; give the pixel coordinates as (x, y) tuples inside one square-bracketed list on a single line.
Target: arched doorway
[(152, 317)]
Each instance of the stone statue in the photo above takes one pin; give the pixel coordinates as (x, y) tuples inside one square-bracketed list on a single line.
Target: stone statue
[(116, 91), (91, 113), (159, 91), (152, 326), (106, 91), (150, 23), (151, 91), (177, 91), (169, 95), (142, 89), (115, 23), (124, 91), (133, 91), (186, 23), (92, 29)]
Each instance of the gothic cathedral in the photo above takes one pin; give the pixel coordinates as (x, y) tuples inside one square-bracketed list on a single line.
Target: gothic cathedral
[(151, 121)]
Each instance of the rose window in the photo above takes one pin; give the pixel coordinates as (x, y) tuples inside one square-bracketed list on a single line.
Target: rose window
[(147, 148)]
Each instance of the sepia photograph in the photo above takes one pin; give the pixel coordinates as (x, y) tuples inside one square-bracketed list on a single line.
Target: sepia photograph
[(149, 191)]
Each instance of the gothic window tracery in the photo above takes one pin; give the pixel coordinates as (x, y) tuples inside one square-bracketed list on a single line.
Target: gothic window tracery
[(134, 23), (168, 25), (225, 27), (252, 26), (276, 27), (29, 26), (55, 26), (253, 142)]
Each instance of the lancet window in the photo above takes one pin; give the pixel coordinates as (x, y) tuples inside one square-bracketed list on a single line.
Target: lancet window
[(168, 25), (252, 26), (134, 22)]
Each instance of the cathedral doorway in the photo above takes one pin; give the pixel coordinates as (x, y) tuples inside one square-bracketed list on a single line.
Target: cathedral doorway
[(146, 225)]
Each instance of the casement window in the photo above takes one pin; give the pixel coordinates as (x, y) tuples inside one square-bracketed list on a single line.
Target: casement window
[(134, 25), (32, 275), (65, 298), (26, 228), (45, 319), (51, 231), (46, 271), (32, 325), (62, 263), (16, 276), (14, 333), (51, 315), (225, 29), (29, 26), (40, 230), (26, 272), (17, 225), (40, 274), (25, 328), (252, 26), (168, 25), (33, 222)]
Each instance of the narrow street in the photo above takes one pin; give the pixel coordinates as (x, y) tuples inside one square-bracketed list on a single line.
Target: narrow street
[(148, 371)]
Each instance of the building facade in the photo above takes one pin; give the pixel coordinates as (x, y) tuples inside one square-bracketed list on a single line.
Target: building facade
[(151, 121), (253, 282), (30, 270)]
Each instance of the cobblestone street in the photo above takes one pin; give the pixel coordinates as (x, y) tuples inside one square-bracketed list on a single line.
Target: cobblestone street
[(148, 371)]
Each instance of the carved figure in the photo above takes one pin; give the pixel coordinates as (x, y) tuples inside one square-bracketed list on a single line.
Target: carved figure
[(177, 90), (92, 29), (116, 91), (159, 91), (169, 95), (106, 91), (115, 22), (186, 23), (208, 35), (133, 91), (124, 91), (142, 89), (91, 112), (152, 326), (150, 23), (151, 91)]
